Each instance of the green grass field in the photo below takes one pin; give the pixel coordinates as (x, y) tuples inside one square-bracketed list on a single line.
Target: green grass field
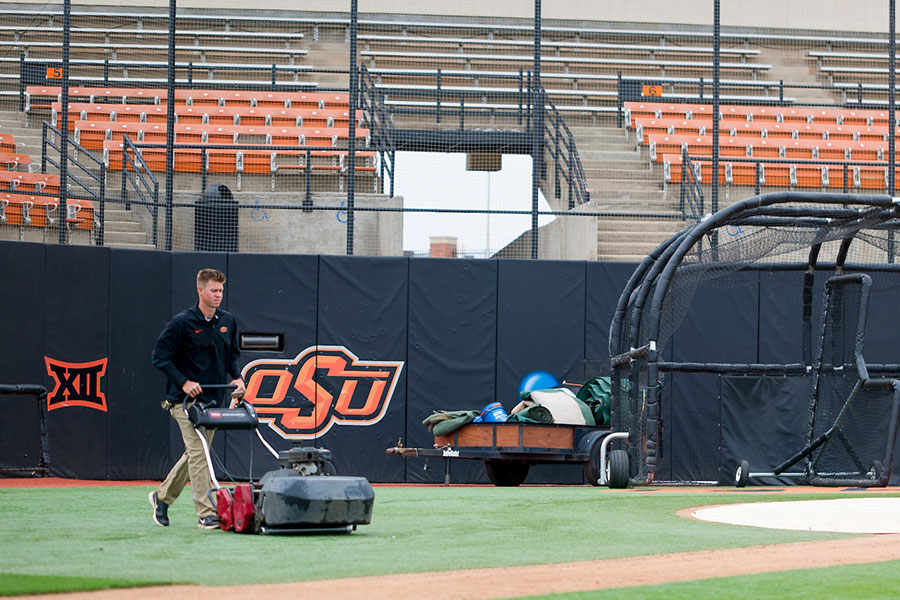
[(91, 538)]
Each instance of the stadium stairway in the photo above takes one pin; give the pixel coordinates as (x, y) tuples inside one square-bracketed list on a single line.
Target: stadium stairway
[(622, 180), (122, 228)]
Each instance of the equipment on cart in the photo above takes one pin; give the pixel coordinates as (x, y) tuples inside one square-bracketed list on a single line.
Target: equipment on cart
[(304, 495)]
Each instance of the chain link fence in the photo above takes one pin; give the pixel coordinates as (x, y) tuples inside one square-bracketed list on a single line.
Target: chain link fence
[(532, 134)]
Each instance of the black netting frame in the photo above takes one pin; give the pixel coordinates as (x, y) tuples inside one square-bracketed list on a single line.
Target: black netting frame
[(31, 455), (782, 231)]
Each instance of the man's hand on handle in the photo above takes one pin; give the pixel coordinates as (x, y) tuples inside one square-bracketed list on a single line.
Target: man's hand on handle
[(192, 388), (239, 389)]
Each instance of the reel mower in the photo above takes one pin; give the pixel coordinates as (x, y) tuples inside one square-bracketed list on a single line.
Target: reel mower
[(303, 495)]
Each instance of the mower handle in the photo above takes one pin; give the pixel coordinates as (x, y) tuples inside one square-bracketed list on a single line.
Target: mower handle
[(208, 386)]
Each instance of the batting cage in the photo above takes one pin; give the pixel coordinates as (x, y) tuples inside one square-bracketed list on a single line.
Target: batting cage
[(23, 440), (824, 268)]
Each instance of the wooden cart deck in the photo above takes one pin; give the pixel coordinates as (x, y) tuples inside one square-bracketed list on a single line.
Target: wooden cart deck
[(510, 449)]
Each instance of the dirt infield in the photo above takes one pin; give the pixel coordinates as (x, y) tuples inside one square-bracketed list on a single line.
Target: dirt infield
[(484, 584)]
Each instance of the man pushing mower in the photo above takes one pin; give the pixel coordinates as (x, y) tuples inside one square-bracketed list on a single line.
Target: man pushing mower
[(198, 344)]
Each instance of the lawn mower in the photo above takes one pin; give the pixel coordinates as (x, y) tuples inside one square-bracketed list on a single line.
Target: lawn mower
[(303, 495)]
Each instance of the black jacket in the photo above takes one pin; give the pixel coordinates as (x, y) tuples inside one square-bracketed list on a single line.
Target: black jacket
[(192, 348)]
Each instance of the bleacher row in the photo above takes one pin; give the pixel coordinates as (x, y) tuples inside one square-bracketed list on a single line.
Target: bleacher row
[(580, 64), (319, 121), (580, 67), (812, 135)]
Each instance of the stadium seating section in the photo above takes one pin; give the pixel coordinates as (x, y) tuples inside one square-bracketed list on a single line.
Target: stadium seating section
[(216, 118), (811, 135)]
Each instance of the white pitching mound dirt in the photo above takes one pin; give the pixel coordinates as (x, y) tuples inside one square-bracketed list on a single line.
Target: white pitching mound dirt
[(846, 515)]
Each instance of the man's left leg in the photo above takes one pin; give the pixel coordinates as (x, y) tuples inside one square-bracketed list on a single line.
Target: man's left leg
[(201, 483)]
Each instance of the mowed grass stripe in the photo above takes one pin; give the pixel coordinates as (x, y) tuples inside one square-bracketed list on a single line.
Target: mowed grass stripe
[(873, 581), (13, 584)]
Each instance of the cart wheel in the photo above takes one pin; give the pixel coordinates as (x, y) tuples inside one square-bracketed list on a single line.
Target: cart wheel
[(506, 473), (592, 466), (617, 469), (742, 474)]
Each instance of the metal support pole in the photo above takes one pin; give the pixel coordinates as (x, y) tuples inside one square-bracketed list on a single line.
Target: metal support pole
[(170, 127), (892, 128), (22, 85), (537, 131), (892, 82), (307, 199), (351, 159), (619, 100), (64, 126), (100, 230), (438, 99), (715, 131)]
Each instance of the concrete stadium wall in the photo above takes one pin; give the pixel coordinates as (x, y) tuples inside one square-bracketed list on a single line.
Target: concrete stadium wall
[(819, 15)]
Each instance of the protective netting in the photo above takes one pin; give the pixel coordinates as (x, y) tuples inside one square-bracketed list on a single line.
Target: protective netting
[(855, 420), (734, 247), (598, 118), (20, 435), (793, 239)]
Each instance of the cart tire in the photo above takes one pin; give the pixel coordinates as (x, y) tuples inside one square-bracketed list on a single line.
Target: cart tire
[(617, 469), (742, 474), (592, 468), (506, 473)]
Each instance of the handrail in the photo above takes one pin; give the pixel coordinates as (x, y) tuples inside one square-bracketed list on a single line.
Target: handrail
[(380, 124), (138, 166), (573, 171), (691, 192), (72, 160)]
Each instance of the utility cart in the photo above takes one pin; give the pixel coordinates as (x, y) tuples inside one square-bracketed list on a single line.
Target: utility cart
[(510, 449)]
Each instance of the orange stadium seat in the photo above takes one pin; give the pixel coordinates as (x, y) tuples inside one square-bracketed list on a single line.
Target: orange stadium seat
[(92, 134), (821, 131), (41, 211), (226, 115), (781, 174), (802, 148), (34, 182), (776, 114), (189, 160), (10, 160)]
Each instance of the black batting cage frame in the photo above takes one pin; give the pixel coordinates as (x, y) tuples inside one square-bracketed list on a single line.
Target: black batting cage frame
[(853, 407), (27, 466)]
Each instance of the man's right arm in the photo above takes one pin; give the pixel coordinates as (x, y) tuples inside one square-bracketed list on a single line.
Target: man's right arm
[(165, 350)]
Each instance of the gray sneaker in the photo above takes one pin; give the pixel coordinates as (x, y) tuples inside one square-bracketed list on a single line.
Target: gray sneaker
[(160, 510), (208, 522)]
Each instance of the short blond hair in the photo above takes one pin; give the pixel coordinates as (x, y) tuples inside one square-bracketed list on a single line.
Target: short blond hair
[(204, 276)]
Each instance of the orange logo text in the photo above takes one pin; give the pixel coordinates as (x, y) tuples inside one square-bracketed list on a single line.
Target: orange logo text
[(323, 386)]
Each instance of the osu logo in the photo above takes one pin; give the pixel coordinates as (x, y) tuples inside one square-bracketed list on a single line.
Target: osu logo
[(321, 387), (77, 384)]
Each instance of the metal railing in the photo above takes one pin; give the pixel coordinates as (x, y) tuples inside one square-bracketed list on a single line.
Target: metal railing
[(136, 172), (189, 75), (80, 180), (380, 124), (566, 161), (691, 192)]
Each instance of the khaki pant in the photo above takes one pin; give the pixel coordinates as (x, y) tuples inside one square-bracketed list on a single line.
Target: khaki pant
[(191, 466)]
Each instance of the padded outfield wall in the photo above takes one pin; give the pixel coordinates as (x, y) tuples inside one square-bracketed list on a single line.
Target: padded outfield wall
[(410, 336)]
